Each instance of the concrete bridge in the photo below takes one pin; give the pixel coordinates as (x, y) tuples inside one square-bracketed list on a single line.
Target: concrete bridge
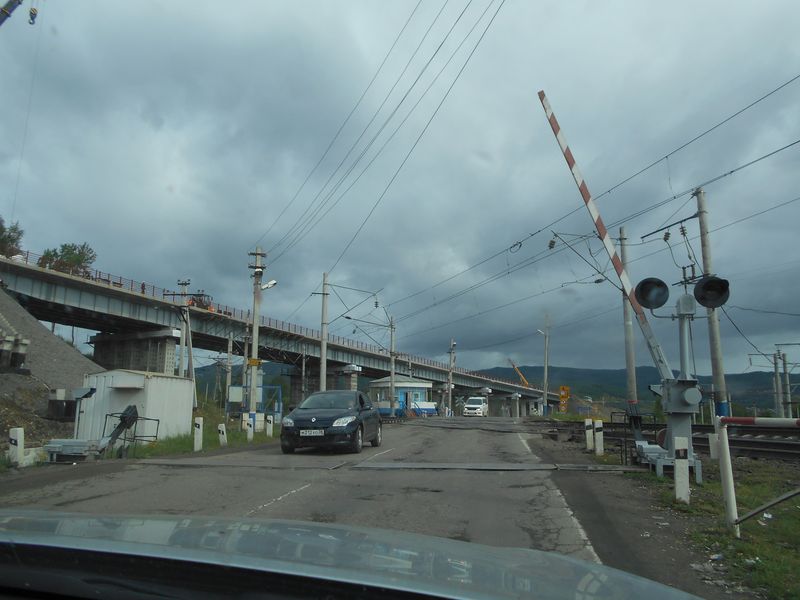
[(137, 322)]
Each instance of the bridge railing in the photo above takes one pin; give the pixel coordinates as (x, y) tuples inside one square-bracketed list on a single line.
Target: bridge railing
[(153, 291)]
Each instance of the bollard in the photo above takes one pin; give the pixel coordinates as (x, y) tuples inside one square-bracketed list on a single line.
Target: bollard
[(249, 426), (198, 434), (713, 445), (268, 424), (16, 446), (598, 438), (681, 470), (589, 436), (223, 435)]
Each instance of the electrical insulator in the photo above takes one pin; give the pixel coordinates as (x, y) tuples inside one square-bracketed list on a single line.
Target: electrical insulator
[(683, 231), (666, 236), (32, 16), (551, 244)]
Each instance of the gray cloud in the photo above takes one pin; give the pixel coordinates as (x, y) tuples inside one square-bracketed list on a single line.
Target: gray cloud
[(171, 136)]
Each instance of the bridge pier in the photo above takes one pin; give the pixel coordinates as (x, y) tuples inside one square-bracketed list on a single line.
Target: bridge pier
[(151, 351)]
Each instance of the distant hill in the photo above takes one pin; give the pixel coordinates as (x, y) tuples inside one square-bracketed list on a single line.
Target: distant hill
[(748, 389)]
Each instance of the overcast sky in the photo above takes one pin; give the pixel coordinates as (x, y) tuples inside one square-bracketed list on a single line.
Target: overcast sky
[(170, 136)]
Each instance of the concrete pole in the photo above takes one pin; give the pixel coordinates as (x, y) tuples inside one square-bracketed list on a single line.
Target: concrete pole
[(323, 337), (190, 359), (787, 389), (715, 346), (627, 320), (392, 355), (546, 383), (681, 470), (228, 373), (258, 270), (182, 345), (778, 385), (303, 377), (452, 365)]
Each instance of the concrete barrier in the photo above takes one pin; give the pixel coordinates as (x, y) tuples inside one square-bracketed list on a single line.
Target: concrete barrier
[(589, 434), (598, 438)]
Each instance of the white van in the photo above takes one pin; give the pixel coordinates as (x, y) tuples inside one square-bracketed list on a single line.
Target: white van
[(477, 406)]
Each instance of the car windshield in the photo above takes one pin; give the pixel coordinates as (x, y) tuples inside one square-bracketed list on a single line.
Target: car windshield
[(243, 243), (343, 400)]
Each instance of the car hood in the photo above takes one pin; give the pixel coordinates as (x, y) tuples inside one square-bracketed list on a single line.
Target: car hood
[(360, 555), (322, 417)]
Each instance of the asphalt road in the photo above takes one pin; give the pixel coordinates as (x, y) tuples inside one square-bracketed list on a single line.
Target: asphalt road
[(517, 508)]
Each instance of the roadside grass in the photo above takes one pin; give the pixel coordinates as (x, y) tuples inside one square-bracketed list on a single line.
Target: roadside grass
[(212, 417), (767, 557), (5, 463)]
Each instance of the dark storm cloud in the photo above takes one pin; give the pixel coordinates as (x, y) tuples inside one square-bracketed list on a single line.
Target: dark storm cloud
[(171, 135)]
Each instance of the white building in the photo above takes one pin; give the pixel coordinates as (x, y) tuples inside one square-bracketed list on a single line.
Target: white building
[(156, 396)]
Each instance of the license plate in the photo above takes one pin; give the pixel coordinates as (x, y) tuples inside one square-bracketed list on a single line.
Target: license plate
[(311, 432)]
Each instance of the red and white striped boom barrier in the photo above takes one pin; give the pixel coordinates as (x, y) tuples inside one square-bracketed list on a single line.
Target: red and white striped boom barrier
[(656, 352)]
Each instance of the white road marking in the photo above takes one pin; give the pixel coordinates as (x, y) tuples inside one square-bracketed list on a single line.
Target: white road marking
[(524, 443), (278, 499), (378, 454)]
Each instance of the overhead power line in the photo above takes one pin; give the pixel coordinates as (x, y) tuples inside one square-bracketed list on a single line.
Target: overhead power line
[(342, 126), (767, 312), (698, 136), (606, 192), (297, 229), (592, 275), (419, 137)]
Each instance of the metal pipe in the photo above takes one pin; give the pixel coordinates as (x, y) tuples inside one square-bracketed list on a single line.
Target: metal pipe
[(787, 388), (726, 478)]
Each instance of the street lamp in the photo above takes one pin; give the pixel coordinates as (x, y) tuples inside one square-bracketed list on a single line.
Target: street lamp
[(392, 355), (270, 284), (546, 334)]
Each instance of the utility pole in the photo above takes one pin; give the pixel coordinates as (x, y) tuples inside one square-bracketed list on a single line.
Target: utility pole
[(323, 337), (258, 270), (303, 377), (184, 284), (228, 373), (627, 320), (715, 346), (392, 355), (778, 385), (787, 388), (545, 383), (452, 353)]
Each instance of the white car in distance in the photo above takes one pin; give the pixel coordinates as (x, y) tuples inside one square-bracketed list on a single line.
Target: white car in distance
[(476, 406)]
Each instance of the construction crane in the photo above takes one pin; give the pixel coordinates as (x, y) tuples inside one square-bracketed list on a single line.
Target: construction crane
[(519, 373), (11, 6)]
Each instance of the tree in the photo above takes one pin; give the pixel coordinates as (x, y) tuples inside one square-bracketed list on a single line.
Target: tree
[(10, 239), (75, 259)]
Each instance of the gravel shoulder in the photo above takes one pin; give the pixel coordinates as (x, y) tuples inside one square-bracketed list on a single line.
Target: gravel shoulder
[(631, 530)]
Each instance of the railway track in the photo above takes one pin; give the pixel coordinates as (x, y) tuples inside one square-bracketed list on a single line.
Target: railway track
[(755, 442)]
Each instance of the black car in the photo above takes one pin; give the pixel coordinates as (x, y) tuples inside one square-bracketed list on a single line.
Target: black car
[(335, 418)]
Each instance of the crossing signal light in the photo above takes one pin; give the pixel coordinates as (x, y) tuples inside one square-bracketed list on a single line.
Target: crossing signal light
[(651, 293), (711, 291)]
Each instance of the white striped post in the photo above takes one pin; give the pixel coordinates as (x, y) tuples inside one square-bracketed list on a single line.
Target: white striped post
[(598, 438), (589, 426), (198, 434), (681, 469), (16, 446), (223, 435)]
